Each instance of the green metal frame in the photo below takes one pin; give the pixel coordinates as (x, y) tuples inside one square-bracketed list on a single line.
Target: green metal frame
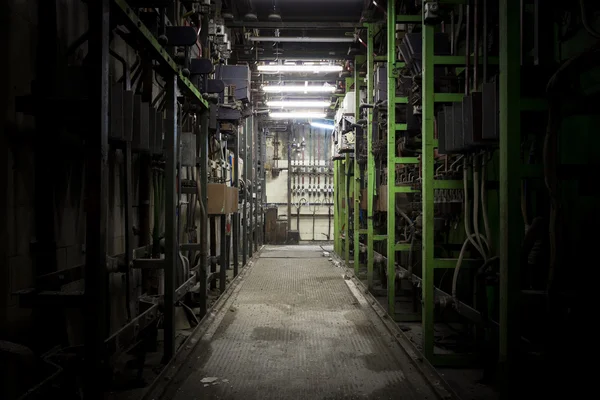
[(427, 159), (159, 52), (370, 156), (510, 169), (357, 169), (336, 209)]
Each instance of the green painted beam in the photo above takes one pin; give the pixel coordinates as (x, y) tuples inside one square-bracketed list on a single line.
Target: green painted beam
[(357, 170), (402, 247), (408, 19), (391, 155), (407, 160), (511, 224), (347, 191), (403, 189), (401, 100), (398, 127), (428, 172), (370, 156), (160, 53), (336, 209), (379, 237), (448, 184), (448, 97)]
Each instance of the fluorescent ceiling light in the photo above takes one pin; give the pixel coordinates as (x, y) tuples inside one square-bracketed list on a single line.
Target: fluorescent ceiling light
[(300, 68), (299, 103), (296, 88), (302, 114), (321, 125)]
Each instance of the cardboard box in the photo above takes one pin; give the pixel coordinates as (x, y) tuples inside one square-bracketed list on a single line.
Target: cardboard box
[(217, 194), (232, 199)]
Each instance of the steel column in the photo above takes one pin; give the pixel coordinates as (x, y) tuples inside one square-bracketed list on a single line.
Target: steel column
[(96, 183), (171, 205), (336, 209), (245, 196), (213, 249), (511, 224), (347, 182), (391, 156), (370, 156), (427, 190), (357, 186), (250, 181), (235, 218), (222, 255), (203, 176)]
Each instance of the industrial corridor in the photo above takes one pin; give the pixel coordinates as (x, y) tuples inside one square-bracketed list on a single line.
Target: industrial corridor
[(295, 328)]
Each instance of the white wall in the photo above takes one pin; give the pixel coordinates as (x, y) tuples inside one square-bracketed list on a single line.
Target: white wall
[(277, 192)]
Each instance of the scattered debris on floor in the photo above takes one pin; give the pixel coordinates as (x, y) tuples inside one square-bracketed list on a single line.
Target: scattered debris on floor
[(325, 254), (209, 379)]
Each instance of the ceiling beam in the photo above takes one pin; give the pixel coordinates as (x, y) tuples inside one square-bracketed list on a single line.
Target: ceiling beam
[(292, 25)]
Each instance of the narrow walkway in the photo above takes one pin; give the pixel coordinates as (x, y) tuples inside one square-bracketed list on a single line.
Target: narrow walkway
[(296, 331)]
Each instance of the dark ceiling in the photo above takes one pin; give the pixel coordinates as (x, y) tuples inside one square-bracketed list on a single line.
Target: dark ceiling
[(311, 10)]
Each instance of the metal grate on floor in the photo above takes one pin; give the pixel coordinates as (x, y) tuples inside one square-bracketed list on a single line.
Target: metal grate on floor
[(296, 331)]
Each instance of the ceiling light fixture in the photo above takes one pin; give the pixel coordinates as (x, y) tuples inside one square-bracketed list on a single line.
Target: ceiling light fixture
[(300, 68), (298, 89), (298, 114), (321, 125), (299, 103)]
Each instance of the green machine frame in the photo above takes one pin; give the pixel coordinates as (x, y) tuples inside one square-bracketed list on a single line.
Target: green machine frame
[(509, 166)]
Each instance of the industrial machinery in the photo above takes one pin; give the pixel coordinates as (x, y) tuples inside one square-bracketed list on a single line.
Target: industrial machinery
[(174, 118), (428, 211)]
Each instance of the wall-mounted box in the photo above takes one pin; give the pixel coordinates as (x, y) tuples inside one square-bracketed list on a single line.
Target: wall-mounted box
[(233, 199), (217, 194)]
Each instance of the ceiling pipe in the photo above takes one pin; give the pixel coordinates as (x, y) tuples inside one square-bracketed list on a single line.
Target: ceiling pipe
[(302, 39)]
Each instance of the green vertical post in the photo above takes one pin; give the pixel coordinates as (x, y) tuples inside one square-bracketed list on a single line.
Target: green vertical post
[(336, 209), (347, 191), (510, 220), (391, 158), (357, 185), (427, 160), (370, 157)]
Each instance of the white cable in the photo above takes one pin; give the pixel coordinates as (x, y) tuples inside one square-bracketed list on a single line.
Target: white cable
[(476, 206), (486, 222), (458, 265), (467, 211)]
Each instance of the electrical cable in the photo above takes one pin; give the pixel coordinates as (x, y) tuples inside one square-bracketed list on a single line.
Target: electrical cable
[(476, 204), (458, 265), (486, 222), (467, 221)]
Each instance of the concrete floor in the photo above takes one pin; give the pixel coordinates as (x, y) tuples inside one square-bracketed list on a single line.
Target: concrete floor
[(295, 330)]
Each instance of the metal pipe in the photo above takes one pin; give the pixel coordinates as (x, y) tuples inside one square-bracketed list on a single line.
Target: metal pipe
[(222, 258), (302, 39), (235, 229), (171, 215), (203, 176)]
